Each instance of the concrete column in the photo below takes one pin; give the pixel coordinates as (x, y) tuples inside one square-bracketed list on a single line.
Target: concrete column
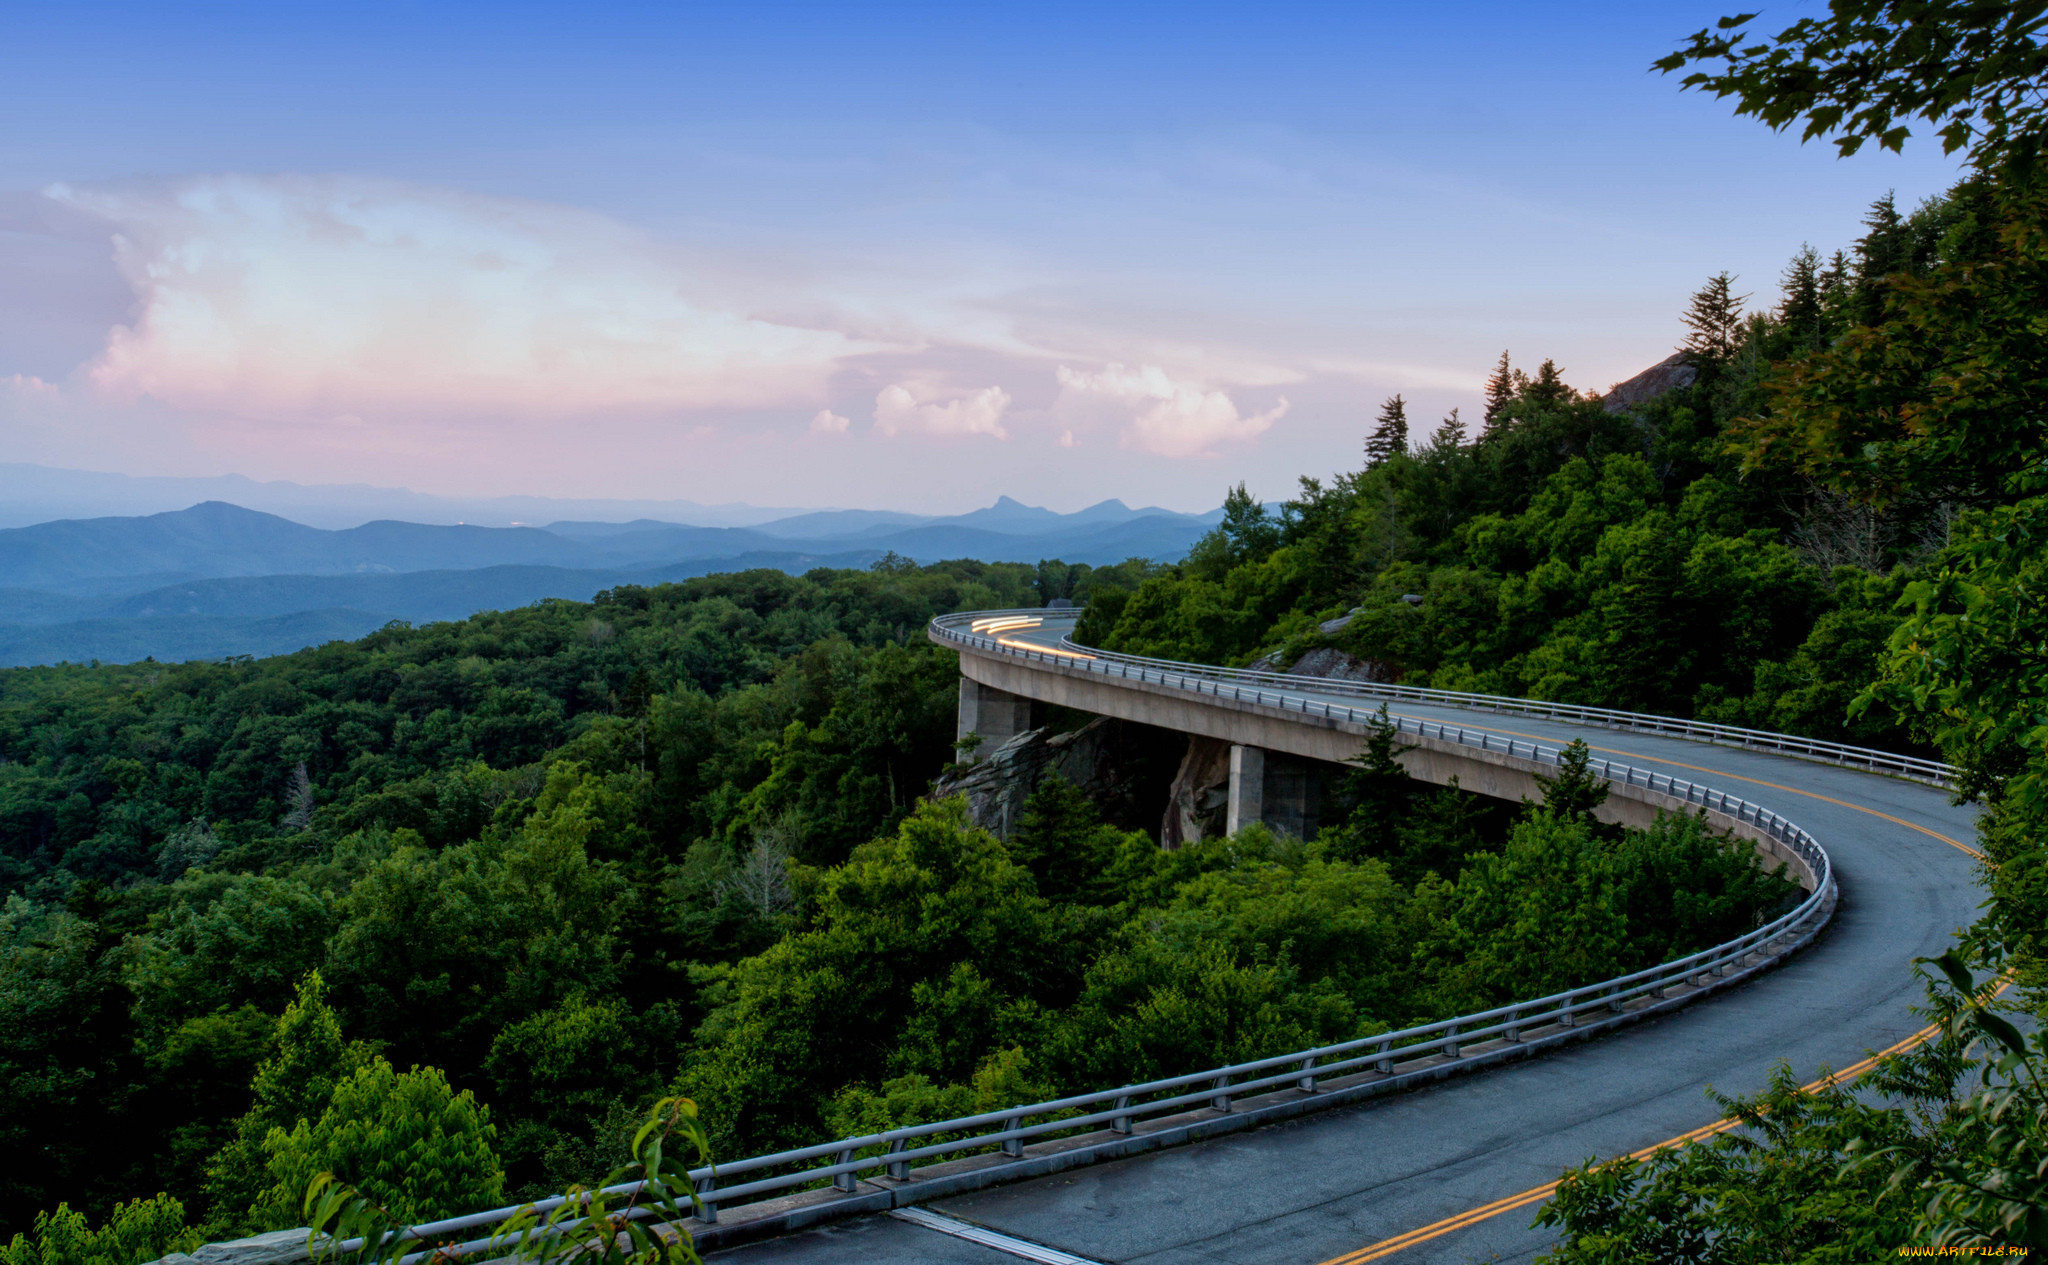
[(997, 715), (1247, 788), (1273, 788)]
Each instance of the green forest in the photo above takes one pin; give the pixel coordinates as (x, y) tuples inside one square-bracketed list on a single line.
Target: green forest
[(443, 910)]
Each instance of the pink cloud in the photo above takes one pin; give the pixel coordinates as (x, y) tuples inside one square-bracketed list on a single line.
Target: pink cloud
[(290, 296), (906, 407)]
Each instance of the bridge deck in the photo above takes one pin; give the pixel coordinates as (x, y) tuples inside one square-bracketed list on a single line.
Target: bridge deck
[(1323, 1186)]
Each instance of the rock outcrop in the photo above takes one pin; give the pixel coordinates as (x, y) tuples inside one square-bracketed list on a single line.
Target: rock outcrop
[(1100, 758), (1668, 374), (1333, 664), (1200, 796)]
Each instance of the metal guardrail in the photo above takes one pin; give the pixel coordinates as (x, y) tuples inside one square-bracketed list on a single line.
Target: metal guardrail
[(896, 1154), (955, 628)]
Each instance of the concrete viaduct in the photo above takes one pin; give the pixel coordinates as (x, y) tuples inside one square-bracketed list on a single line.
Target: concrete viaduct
[(1437, 1142), (1456, 1171)]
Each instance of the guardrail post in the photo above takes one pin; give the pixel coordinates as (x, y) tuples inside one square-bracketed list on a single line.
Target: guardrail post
[(1386, 1063), (1307, 1083), (1221, 1101), (1514, 1032), (1614, 1000), (1013, 1147), (1122, 1123), (1451, 1042), (846, 1182), (898, 1169), (1568, 1017), (707, 1209)]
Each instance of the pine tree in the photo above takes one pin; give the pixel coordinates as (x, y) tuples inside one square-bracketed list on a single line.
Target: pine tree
[(1450, 434), (1799, 311), (1715, 319), (1548, 387), (1576, 791), (1390, 437), (1500, 390), (1836, 294), (1884, 248)]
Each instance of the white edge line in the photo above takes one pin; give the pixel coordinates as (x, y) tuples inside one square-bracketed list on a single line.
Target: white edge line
[(988, 1238)]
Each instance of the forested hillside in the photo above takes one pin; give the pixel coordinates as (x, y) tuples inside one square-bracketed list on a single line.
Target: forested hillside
[(444, 908), (1654, 555), (555, 860)]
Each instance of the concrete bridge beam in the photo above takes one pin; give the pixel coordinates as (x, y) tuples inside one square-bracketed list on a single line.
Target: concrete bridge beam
[(1274, 788), (995, 714), (1311, 736)]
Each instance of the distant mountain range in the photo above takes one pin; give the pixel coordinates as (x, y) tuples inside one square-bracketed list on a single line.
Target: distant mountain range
[(217, 579), (36, 494)]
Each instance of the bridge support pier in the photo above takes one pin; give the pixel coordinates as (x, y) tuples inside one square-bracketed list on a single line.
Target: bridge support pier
[(997, 715), (1274, 788)]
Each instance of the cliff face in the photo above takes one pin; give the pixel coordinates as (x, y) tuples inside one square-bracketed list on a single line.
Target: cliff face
[(1668, 374), (1105, 759), (1200, 796)]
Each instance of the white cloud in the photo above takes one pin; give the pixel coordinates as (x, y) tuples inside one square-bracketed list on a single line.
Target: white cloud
[(917, 408), (828, 422), (1163, 416), (295, 296)]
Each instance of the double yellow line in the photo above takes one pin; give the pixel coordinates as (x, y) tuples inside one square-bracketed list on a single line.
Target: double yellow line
[(1737, 777), (1535, 1195)]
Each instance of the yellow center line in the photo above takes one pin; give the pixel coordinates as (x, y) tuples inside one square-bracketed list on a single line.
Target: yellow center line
[(1389, 1247), (1737, 777), (1537, 1194)]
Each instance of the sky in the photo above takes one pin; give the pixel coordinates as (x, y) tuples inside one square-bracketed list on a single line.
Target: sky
[(886, 255)]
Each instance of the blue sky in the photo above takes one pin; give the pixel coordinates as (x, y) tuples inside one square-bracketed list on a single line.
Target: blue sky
[(886, 254)]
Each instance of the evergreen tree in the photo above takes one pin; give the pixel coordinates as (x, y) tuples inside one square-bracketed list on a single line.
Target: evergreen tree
[(1548, 387), (1390, 437), (1885, 248), (1885, 245), (1500, 390), (1381, 791), (1799, 311), (1715, 319), (1576, 791), (1451, 433), (1836, 295)]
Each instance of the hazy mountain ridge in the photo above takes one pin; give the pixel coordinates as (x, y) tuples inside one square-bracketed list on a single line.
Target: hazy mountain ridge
[(218, 579), (32, 494)]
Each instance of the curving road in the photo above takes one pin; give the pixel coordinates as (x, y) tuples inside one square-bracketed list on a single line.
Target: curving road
[(1340, 1183)]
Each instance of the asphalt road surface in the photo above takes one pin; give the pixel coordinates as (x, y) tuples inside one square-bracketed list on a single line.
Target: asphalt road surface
[(1331, 1185)]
